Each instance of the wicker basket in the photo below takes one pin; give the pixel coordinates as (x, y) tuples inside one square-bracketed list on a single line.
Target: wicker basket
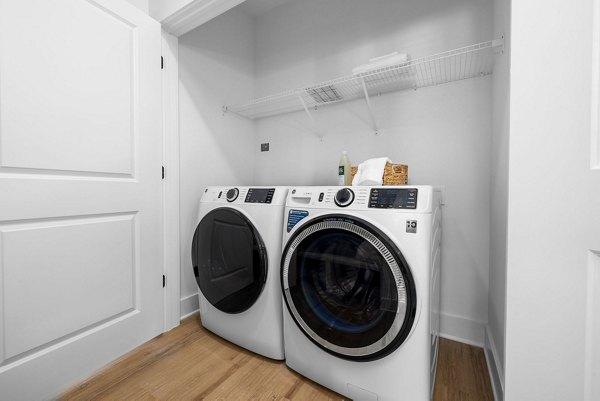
[(394, 174)]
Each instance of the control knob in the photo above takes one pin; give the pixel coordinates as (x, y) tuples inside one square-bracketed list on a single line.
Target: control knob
[(344, 197), (232, 194)]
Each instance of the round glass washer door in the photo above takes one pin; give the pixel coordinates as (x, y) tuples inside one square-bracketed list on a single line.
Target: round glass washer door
[(229, 259), (348, 287)]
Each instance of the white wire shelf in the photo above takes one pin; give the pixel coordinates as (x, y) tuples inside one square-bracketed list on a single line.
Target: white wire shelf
[(454, 65)]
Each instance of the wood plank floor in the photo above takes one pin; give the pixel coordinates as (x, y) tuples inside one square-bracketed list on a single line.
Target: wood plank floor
[(190, 363)]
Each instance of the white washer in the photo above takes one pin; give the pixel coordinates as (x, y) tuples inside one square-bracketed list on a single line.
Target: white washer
[(235, 255), (361, 283)]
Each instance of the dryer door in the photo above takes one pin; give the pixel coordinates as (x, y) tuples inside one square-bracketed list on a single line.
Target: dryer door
[(229, 259), (348, 287)]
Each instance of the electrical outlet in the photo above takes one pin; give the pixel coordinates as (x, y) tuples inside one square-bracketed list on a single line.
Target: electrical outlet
[(264, 147)]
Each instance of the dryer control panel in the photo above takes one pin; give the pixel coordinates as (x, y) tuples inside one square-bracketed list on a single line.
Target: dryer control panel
[(259, 195)]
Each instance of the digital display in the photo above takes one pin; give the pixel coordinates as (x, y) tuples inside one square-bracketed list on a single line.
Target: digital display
[(260, 195), (393, 198)]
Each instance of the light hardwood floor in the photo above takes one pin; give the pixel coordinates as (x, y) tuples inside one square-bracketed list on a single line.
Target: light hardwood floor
[(190, 363)]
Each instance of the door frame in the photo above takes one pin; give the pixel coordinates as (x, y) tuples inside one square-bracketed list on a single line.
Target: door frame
[(171, 233)]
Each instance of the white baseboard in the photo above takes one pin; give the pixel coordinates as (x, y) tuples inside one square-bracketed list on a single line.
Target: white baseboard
[(494, 366), (461, 329), (189, 305)]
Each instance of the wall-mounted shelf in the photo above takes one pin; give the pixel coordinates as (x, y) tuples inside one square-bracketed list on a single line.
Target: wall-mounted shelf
[(463, 63)]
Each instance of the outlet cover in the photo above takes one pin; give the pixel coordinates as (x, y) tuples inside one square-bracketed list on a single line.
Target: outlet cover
[(264, 147)]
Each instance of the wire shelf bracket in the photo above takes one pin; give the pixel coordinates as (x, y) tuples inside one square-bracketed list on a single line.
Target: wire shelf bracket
[(368, 101)]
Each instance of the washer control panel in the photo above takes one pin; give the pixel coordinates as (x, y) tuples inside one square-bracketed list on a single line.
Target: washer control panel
[(393, 198), (259, 195), (398, 198)]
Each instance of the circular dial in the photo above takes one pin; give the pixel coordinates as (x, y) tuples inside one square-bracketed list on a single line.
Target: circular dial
[(344, 197), (232, 194)]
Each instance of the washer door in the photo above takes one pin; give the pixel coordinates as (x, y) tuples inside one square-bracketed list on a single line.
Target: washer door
[(229, 259), (348, 287)]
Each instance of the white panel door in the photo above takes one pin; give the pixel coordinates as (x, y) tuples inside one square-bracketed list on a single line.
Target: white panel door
[(80, 190)]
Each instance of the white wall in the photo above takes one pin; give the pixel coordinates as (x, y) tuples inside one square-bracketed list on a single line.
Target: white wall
[(553, 207), (216, 66), (499, 201), (304, 42), (443, 133)]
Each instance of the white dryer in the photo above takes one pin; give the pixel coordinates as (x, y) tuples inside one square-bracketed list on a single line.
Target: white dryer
[(360, 275), (235, 255)]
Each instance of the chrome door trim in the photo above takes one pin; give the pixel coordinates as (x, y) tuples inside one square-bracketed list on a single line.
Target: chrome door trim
[(396, 326)]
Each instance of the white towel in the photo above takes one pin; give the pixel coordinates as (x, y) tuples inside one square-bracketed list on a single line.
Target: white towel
[(370, 172), (377, 63)]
